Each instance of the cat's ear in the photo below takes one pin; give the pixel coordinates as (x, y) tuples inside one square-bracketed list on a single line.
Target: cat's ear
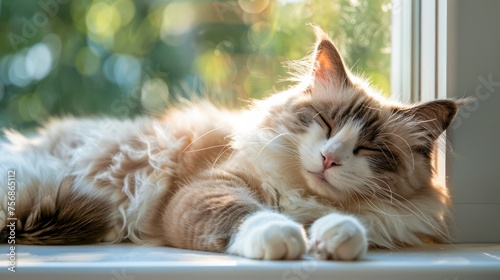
[(328, 66), (432, 118)]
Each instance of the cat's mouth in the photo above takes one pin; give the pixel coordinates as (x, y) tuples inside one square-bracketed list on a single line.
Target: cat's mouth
[(319, 175), (320, 178)]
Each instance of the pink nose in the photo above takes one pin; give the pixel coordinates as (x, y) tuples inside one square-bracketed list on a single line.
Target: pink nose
[(330, 161)]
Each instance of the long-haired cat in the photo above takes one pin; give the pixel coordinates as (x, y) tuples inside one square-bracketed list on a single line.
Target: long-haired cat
[(326, 166)]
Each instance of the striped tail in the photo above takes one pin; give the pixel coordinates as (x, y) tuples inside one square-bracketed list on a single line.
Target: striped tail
[(62, 216)]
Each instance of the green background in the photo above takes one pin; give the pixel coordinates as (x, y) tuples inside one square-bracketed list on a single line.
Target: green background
[(123, 58)]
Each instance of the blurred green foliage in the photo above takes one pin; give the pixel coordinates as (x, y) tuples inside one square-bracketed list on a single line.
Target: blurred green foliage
[(122, 58)]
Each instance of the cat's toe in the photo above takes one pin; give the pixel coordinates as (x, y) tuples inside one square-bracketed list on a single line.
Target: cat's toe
[(338, 237), (271, 239), (279, 240)]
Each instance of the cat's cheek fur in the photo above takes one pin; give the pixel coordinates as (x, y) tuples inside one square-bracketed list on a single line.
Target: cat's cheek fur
[(270, 236), (338, 237)]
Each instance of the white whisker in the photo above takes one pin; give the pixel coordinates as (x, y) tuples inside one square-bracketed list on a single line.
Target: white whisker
[(201, 136)]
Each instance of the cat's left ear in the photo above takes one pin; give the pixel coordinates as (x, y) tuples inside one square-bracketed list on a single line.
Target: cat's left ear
[(328, 68), (432, 118)]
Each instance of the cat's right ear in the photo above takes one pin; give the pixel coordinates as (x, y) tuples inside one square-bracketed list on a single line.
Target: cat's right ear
[(328, 66)]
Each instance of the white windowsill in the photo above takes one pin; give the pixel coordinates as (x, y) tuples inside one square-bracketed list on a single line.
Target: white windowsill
[(132, 262)]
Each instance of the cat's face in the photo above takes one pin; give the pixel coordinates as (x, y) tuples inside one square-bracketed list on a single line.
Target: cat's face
[(358, 146), (352, 144)]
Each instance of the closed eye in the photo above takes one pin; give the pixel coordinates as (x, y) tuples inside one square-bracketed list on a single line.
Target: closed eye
[(367, 149), (324, 124)]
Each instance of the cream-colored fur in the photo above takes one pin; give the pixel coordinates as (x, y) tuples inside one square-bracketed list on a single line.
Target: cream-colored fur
[(129, 162)]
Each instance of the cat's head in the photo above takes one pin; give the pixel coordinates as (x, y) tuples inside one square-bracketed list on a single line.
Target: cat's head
[(349, 142)]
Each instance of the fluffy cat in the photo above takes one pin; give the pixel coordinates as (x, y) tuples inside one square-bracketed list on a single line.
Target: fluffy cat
[(328, 156)]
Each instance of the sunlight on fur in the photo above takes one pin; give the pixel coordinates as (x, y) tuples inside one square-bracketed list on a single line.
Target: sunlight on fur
[(327, 167)]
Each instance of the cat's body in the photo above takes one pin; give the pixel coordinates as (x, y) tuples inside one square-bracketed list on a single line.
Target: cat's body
[(325, 156)]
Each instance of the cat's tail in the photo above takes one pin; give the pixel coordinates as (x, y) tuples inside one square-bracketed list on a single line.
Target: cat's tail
[(60, 216)]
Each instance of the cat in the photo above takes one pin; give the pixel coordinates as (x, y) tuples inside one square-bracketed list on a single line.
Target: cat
[(327, 167)]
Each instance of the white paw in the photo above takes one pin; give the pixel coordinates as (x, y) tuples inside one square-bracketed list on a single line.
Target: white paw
[(338, 237), (269, 236)]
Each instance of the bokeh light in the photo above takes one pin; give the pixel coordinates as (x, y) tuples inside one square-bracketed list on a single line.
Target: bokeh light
[(38, 61), (155, 95), (261, 34), (178, 18), (103, 19), (126, 57), (127, 71), (216, 67), (18, 75), (253, 6)]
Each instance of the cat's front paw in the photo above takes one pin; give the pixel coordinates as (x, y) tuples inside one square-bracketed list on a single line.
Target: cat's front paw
[(338, 237), (269, 236)]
